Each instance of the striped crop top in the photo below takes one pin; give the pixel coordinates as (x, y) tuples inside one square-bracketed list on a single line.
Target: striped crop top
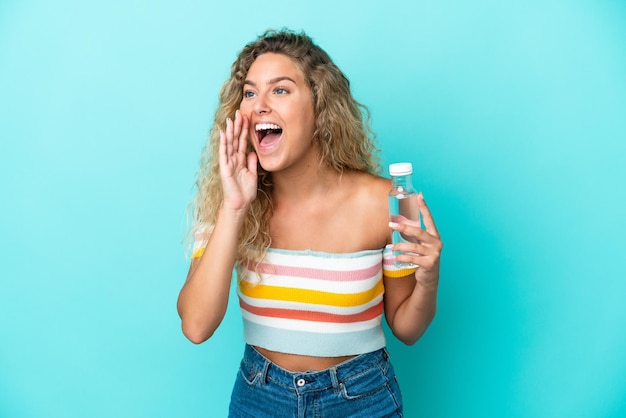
[(315, 303)]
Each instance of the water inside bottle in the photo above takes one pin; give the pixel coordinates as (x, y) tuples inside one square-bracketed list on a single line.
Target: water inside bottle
[(404, 208)]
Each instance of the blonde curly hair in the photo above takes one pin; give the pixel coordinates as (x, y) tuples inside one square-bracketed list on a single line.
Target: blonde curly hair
[(342, 134)]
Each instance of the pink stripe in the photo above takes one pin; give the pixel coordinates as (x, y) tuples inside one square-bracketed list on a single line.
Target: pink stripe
[(312, 273)]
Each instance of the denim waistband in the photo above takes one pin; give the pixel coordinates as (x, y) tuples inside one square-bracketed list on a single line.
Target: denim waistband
[(313, 380)]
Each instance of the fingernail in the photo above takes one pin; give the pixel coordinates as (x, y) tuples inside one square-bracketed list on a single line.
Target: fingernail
[(237, 113), (393, 225)]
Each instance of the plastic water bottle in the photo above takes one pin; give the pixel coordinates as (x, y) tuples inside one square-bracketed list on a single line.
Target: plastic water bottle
[(403, 203)]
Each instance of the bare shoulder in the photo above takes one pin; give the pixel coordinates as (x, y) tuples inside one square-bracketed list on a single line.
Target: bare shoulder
[(369, 208), (371, 186)]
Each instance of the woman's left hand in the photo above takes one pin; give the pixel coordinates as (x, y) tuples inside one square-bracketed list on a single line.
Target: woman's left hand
[(426, 252)]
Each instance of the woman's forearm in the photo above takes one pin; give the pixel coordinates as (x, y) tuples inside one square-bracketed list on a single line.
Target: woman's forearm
[(203, 299), (415, 314)]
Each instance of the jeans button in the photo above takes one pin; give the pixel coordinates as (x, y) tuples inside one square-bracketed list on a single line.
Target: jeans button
[(301, 382)]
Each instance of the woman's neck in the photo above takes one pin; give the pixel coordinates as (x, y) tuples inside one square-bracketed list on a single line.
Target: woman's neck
[(305, 182)]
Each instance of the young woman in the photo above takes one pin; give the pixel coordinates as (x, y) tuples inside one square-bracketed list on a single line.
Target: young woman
[(288, 194)]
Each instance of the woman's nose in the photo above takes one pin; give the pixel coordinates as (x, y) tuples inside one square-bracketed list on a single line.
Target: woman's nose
[(260, 105)]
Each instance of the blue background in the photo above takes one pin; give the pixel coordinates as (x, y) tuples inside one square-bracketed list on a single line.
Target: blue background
[(513, 114)]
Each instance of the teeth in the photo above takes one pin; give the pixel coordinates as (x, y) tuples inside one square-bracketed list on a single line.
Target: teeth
[(266, 126)]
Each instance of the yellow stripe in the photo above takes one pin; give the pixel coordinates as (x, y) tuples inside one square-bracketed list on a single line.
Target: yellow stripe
[(316, 297), (198, 253), (395, 274)]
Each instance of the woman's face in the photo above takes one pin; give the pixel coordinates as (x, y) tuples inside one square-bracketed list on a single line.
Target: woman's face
[(278, 102)]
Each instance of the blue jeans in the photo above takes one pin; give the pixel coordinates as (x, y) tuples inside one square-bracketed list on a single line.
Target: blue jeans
[(364, 387)]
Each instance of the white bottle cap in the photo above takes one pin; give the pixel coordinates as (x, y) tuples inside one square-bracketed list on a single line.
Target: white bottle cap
[(400, 169)]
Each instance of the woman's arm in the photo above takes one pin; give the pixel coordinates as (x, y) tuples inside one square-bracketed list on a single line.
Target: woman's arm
[(203, 299), (411, 301)]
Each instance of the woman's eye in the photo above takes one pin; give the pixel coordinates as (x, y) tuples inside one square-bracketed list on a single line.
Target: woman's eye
[(247, 94), (281, 90)]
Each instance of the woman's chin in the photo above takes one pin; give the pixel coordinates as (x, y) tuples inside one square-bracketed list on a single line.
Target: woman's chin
[(269, 164)]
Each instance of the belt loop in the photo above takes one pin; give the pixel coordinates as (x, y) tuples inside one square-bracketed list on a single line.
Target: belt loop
[(265, 371), (385, 364), (333, 379)]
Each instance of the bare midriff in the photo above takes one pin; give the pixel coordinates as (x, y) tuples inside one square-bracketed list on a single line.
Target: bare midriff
[(298, 363)]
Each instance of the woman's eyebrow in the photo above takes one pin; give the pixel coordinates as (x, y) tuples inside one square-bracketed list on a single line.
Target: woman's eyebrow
[(272, 81), (279, 79)]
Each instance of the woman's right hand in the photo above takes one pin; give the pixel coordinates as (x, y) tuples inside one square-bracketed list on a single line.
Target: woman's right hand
[(238, 171)]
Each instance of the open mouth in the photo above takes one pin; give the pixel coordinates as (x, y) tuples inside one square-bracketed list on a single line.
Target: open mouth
[(268, 134)]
